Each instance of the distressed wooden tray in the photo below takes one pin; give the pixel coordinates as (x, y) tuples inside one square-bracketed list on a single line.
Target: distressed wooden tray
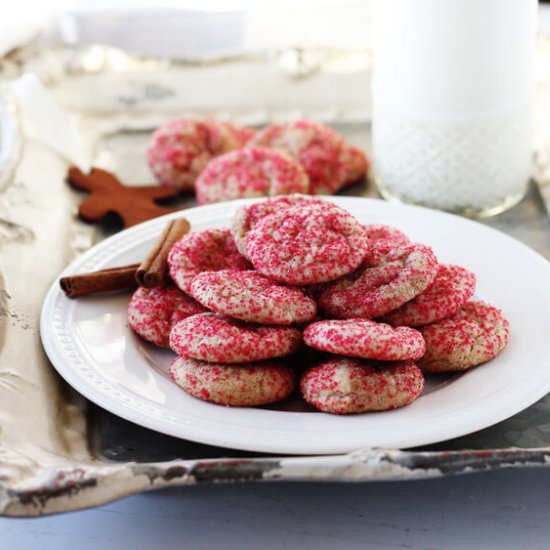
[(59, 452)]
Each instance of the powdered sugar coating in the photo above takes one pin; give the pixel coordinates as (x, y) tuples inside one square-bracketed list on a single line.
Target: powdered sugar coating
[(382, 232), (246, 217), (323, 153), (249, 296), (243, 385), (215, 338), (453, 286), (391, 275), (250, 172), (152, 312), (208, 250), (180, 149), (307, 244), (346, 386), (477, 333), (366, 339)]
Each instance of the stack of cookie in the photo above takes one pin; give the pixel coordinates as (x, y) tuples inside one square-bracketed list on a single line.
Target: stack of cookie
[(221, 161), (376, 311)]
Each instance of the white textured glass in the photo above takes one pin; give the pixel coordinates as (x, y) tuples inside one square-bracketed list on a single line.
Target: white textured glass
[(452, 89)]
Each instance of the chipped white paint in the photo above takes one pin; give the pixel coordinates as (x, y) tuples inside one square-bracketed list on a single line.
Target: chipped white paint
[(368, 464), (10, 140)]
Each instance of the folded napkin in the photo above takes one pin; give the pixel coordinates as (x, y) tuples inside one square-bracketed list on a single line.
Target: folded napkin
[(48, 120)]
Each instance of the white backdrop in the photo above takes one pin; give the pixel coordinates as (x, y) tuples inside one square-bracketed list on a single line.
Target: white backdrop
[(189, 27)]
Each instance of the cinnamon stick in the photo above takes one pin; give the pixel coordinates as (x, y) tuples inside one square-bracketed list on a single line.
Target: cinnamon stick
[(153, 270), (115, 278), (150, 273)]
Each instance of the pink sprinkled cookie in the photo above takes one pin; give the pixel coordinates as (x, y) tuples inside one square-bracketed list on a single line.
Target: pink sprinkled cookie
[(250, 172), (247, 217), (249, 296), (208, 250), (382, 232), (391, 275), (152, 312), (243, 385), (354, 164), (329, 162), (305, 245), (453, 286), (244, 133), (218, 339), (366, 339), (345, 386), (477, 333), (180, 149)]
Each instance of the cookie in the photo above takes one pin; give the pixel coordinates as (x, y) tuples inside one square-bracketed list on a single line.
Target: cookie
[(305, 245), (152, 312), (392, 275), (453, 286), (248, 216), (242, 385), (366, 339), (380, 232), (244, 133), (180, 149), (249, 296), (354, 164), (345, 386), (328, 161), (250, 172), (208, 250), (218, 339), (474, 335)]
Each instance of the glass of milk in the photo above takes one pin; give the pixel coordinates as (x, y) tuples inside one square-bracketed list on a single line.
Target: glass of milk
[(452, 87)]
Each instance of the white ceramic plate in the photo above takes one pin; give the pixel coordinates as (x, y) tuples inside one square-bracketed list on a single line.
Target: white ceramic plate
[(91, 346)]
